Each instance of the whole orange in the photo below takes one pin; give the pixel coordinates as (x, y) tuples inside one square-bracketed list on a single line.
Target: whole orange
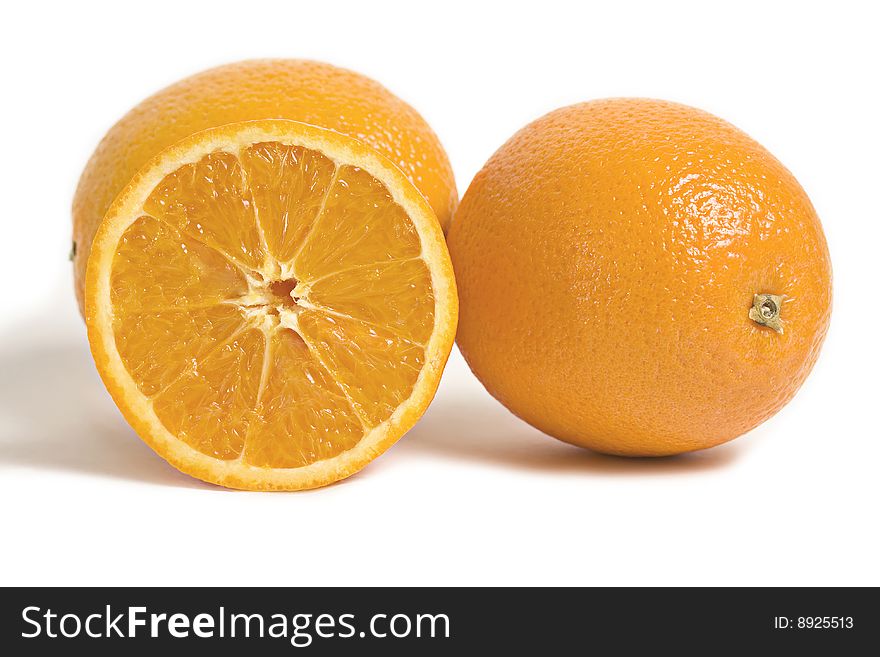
[(299, 90), (639, 277)]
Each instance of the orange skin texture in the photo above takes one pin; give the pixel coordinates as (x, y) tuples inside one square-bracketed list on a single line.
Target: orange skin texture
[(299, 90), (606, 259)]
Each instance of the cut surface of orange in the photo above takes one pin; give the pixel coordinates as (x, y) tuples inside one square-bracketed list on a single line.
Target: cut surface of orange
[(270, 304)]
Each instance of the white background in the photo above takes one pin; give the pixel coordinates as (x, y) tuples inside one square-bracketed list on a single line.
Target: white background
[(472, 495)]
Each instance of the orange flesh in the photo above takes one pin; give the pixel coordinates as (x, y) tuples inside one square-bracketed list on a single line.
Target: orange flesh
[(273, 306)]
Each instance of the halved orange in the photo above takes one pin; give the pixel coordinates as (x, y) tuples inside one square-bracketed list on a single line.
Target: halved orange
[(270, 304)]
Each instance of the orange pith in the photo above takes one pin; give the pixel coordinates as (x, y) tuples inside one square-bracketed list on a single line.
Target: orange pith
[(280, 299)]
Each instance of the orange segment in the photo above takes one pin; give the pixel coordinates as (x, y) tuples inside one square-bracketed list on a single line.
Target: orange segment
[(208, 200), (211, 406), (157, 346), (173, 270), (376, 368), (271, 305), (303, 415), (392, 294), (289, 184), (360, 224)]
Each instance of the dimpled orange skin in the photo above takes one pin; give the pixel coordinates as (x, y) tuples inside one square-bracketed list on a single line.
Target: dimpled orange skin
[(607, 257), (300, 90)]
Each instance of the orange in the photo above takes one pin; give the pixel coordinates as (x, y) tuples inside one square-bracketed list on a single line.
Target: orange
[(270, 304), (307, 91), (639, 277)]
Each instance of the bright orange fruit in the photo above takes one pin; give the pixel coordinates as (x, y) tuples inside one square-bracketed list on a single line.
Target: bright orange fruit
[(270, 304), (639, 277), (307, 91)]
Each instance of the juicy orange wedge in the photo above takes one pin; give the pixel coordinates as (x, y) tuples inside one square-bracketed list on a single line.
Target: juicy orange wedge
[(270, 304)]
